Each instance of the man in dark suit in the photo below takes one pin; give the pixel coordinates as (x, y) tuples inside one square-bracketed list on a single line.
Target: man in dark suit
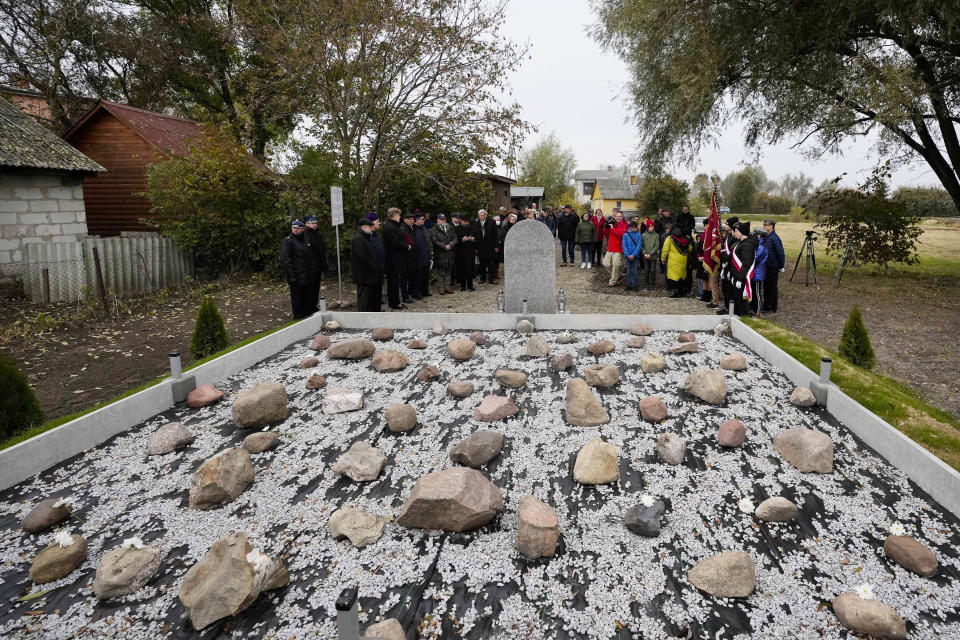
[(488, 246)]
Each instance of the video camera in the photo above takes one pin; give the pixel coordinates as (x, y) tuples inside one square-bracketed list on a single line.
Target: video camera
[(811, 233)]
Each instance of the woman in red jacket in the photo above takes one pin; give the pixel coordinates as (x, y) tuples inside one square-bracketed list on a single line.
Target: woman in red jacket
[(614, 233)]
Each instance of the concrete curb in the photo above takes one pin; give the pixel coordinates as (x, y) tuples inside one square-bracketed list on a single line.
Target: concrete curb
[(508, 321)]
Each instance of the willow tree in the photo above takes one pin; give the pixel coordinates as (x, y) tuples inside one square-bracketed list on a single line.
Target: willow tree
[(550, 165), (817, 72)]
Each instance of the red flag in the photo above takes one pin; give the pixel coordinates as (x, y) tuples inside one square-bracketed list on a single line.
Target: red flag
[(711, 237)]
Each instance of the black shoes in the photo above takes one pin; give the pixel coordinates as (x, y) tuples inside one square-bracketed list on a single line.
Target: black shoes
[(398, 307)]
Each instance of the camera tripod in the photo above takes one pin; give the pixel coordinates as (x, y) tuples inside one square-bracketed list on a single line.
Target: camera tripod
[(850, 253), (810, 264)]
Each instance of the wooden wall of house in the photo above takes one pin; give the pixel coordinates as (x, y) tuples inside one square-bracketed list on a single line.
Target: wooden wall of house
[(110, 198), (501, 194)]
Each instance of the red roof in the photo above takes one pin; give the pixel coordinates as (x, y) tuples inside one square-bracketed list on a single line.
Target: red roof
[(169, 134)]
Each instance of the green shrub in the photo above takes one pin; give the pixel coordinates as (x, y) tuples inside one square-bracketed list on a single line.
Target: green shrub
[(19, 408), (210, 333), (855, 341)]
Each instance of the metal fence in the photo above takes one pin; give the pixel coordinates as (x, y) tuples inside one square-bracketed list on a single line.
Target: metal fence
[(67, 271)]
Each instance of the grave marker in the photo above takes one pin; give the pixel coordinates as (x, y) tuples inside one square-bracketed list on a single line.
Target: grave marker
[(529, 260)]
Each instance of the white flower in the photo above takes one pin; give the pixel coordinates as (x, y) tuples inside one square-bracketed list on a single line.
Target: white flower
[(897, 529), (63, 538), (865, 591), (64, 502), (132, 543), (647, 500), (746, 505)]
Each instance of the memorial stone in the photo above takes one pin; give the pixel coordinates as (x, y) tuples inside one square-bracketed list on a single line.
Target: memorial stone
[(529, 249)]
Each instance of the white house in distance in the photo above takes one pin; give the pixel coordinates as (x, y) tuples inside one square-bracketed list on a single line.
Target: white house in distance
[(586, 179)]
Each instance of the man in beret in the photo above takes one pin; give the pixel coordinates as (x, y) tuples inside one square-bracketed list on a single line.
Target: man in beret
[(312, 232), (300, 268)]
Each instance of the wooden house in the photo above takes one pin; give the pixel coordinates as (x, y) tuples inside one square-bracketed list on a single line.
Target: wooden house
[(501, 190), (610, 193)]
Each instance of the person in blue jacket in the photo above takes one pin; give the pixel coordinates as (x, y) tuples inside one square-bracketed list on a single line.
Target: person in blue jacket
[(759, 271), (776, 262), (632, 244)]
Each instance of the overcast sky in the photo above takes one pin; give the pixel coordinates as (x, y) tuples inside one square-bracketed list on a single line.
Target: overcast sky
[(591, 113)]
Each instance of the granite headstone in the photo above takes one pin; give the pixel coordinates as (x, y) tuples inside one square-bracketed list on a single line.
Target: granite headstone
[(529, 260)]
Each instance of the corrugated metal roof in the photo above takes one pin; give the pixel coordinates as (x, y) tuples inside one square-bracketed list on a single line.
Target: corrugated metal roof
[(593, 174), (616, 188), (26, 144), (526, 192)]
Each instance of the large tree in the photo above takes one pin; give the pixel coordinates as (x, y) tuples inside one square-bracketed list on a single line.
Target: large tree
[(550, 165), (819, 71)]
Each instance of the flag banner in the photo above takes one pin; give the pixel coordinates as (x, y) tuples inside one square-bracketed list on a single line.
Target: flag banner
[(711, 237)]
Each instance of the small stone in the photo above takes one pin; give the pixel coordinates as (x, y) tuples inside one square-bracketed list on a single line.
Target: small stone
[(416, 344), (316, 381), (361, 462), (169, 437), (911, 554), (430, 373), (537, 528), (525, 326), (640, 329), (734, 362), (652, 363), (390, 361), (727, 575), (477, 449), (637, 342), (802, 397), (389, 629), (361, 527), (869, 617), (671, 448), (596, 463), (723, 330), (653, 409), (776, 509), (57, 562), (461, 349), (644, 520), (320, 342), (400, 417), (731, 433), (264, 404), (565, 338), (510, 379), (309, 362), (686, 337), (203, 395), (493, 408), (221, 479), (440, 330), (561, 362), (355, 349), (583, 408), (123, 571), (342, 399), (707, 384), (536, 348), (460, 388), (601, 347), (806, 449), (684, 347), (601, 375), (455, 499), (331, 325), (382, 334), (260, 441), (479, 338), (44, 515)]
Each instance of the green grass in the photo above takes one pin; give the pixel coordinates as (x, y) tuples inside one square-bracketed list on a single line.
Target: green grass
[(934, 429), (56, 422)]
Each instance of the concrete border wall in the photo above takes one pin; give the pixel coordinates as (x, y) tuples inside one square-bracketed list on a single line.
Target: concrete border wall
[(506, 321)]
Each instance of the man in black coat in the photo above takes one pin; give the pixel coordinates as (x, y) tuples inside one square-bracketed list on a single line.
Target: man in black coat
[(686, 221), (368, 260), (466, 254), (313, 235), (567, 233), (300, 269), (421, 243), (487, 243), (411, 276), (398, 250)]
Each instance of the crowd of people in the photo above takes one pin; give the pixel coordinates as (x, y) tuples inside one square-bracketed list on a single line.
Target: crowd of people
[(413, 252)]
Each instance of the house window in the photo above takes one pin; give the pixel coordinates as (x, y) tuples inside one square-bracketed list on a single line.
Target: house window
[(588, 188), (619, 204)]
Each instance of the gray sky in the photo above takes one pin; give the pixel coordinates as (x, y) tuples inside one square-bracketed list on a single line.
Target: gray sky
[(591, 115)]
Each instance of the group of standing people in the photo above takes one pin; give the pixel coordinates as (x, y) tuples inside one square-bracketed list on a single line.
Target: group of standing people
[(749, 268), (303, 259)]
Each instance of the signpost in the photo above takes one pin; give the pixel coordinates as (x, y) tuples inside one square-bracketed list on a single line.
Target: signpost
[(336, 215)]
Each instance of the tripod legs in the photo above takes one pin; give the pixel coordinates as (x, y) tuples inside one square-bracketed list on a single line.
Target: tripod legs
[(809, 265)]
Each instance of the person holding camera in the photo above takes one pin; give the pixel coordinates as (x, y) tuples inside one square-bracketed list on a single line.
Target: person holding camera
[(776, 263), (613, 231)]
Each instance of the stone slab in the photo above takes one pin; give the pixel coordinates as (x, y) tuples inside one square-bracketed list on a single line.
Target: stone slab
[(530, 248)]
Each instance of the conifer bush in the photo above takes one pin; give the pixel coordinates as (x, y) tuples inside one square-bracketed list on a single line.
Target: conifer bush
[(210, 333), (855, 341), (19, 408)]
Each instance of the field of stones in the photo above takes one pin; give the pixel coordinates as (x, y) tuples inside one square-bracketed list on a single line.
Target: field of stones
[(528, 484)]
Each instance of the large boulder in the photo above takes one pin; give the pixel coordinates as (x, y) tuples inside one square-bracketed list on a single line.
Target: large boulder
[(671, 448), (640, 329), (538, 529), (583, 409), (44, 515), (203, 395), (709, 385), (342, 399), (460, 388), (596, 463), (169, 437), (601, 347), (802, 397), (389, 361), (461, 349), (735, 361), (776, 509), (727, 575), (645, 520), (260, 441), (400, 417), (652, 363), (361, 527), (510, 379), (354, 349), (493, 408), (429, 373), (320, 342), (228, 579), (653, 409), (221, 478), (732, 433), (389, 629), (361, 462), (57, 561), (536, 348), (455, 499), (125, 570), (806, 449), (911, 554), (478, 449), (265, 403), (382, 334), (869, 617), (601, 375)]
